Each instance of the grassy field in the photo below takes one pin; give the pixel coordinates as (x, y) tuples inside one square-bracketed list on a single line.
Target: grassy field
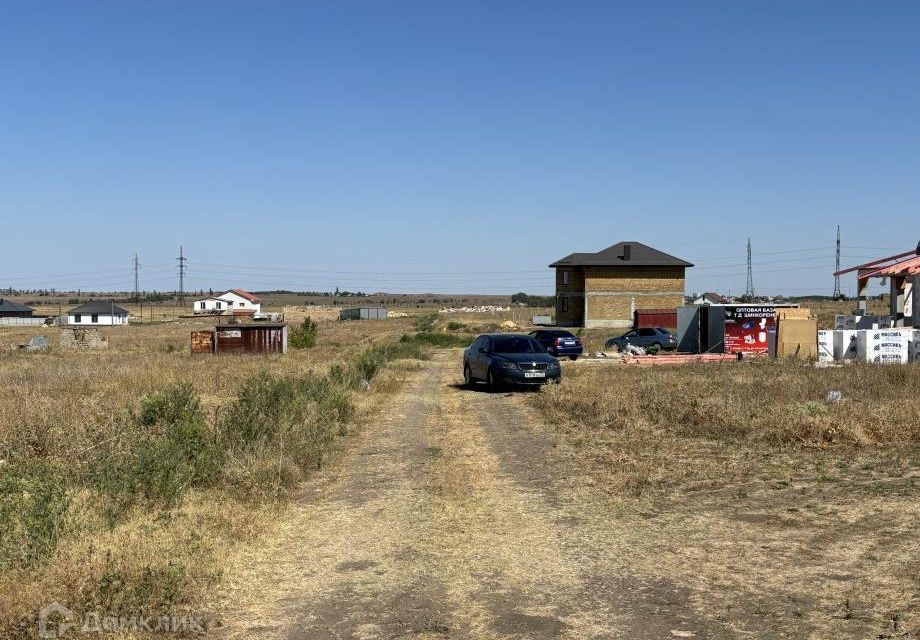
[(782, 509), (128, 474)]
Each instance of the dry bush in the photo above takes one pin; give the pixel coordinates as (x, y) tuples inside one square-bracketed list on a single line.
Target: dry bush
[(127, 474), (663, 427)]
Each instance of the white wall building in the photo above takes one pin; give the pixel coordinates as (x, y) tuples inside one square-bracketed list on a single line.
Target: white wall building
[(98, 314), (211, 305), (235, 301)]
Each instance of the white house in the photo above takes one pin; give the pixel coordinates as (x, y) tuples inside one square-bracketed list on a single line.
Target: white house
[(98, 313), (233, 302), (211, 305), (710, 298)]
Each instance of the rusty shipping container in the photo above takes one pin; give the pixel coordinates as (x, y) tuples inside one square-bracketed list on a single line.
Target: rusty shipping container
[(654, 318), (251, 338), (202, 341)]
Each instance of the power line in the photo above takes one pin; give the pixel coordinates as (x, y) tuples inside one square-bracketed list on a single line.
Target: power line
[(749, 291), (137, 266), (182, 260), (837, 295)]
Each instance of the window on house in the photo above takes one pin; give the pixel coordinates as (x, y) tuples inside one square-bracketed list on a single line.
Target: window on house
[(94, 318), (77, 317), (240, 303), (202, 305), (563, 304), (565, 277), (220, 305)]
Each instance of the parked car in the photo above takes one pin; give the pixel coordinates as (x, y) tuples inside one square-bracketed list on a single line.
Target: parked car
[(509, 358), (559, 342), (657, 338)]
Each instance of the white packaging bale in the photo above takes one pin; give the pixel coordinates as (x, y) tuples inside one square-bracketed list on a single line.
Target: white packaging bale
[(842, 321), (825, 346), (884, 346), (845, 344)]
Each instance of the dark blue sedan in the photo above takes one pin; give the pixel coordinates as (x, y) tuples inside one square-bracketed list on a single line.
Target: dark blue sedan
[(559, 342), (509, 358)]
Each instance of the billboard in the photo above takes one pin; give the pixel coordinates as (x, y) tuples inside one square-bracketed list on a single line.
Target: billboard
[(747, 327)]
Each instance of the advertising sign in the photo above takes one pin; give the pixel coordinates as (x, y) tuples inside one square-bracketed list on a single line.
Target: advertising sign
[(746, 328)]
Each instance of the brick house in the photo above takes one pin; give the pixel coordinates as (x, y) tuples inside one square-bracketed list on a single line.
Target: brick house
[(604, 289)]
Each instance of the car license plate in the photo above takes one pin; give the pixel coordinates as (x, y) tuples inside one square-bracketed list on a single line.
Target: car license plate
[(569, 343), (534, 374)]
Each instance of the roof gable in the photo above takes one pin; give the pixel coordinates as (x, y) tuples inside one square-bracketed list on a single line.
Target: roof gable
[(100, 306), (242, 293), (622, 254), (10, 306)]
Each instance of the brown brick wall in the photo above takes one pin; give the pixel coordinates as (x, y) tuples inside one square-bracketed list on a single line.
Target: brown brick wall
[(574, 293), (640, 279)]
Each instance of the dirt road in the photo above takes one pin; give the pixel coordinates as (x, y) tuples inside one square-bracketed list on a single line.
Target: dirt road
[(453, 516)]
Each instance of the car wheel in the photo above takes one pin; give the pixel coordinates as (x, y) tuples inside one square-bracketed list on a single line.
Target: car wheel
[(490, 381), (573, 357), (468, 376)]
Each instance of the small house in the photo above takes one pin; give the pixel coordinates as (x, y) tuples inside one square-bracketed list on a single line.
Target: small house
[(98, 313), (234, 302), (709, 298), (10, 309)]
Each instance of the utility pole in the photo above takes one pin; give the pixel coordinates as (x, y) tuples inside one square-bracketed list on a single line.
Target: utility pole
[(837, 295), (749, 291), (137, 266), (182, 260)]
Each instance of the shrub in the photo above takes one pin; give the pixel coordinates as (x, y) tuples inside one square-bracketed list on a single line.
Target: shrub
[(33, 508), (167, 450), (304, 336)]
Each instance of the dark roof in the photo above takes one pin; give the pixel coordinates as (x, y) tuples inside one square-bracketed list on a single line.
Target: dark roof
[(252, 325), (13, 307), (99, 306), (622, 254), (715, 297)]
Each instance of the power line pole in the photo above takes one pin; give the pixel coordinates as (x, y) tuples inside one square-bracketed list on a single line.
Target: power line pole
[(749, 291), (137, 289), (837, 295), (182, 260)]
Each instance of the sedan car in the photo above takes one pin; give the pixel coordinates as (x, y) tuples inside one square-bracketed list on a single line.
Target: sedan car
[(558, 342), (509, 358), (657, 338)]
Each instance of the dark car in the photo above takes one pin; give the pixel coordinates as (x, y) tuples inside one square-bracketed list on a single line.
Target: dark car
[(657, 338), (559, 342), (510, 358)]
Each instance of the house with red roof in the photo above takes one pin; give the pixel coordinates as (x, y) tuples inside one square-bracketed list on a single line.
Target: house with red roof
[(237, 302)]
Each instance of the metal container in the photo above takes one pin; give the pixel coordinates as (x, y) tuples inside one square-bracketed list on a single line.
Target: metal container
[(251, 338)]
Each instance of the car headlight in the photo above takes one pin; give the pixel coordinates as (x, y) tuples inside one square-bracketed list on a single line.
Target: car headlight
[(507, 364), (554, 364)]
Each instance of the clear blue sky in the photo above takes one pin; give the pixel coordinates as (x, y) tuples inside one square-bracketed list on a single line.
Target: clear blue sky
[(452, 147)]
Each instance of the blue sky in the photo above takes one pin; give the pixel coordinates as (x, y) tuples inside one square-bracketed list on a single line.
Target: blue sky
[(452, 147)]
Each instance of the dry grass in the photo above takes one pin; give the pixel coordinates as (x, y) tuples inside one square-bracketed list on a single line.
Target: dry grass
[(62, 410), (784, 513)]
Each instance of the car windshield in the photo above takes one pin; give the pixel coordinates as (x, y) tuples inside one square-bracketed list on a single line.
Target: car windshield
[(516, 344)]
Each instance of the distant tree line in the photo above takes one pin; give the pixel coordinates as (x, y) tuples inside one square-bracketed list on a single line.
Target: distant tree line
[(532, 301)]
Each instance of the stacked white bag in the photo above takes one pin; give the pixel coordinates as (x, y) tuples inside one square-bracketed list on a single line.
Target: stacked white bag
[(884, 346)]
